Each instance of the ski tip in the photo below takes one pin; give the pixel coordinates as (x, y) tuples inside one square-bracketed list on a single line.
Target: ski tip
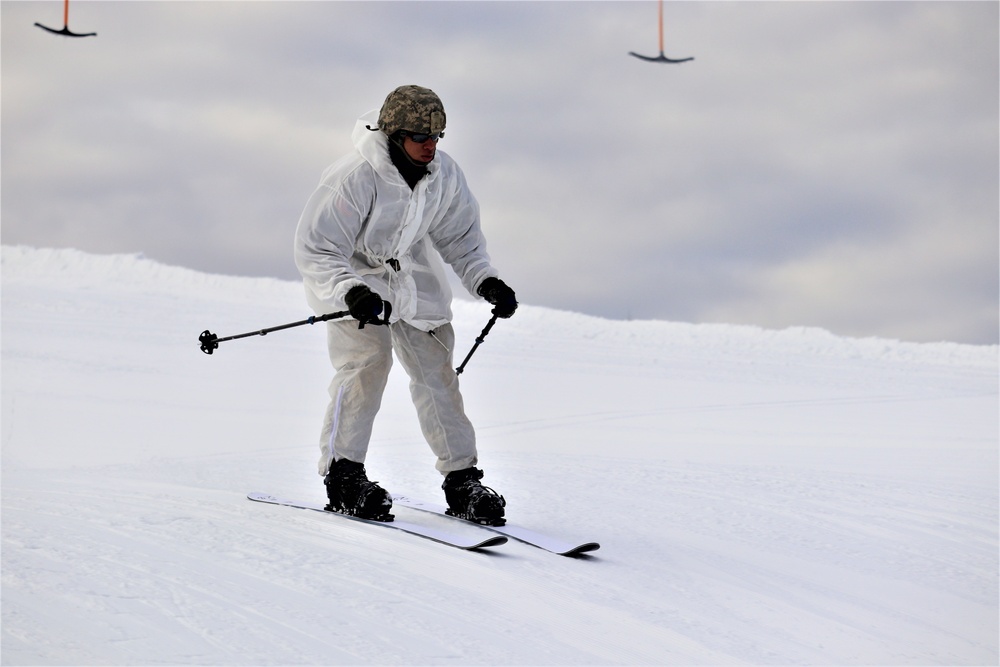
[(582, 549), (489, 542)]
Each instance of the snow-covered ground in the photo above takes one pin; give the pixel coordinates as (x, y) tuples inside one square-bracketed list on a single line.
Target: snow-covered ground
[(767, 497)]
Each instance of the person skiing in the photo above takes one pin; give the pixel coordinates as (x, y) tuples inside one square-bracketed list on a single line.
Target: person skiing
[(371, 239)]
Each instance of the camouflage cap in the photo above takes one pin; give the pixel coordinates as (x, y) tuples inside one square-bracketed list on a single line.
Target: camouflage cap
[(412, 108)]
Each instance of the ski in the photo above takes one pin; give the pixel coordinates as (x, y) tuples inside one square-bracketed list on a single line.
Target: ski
[(451, 539), (519, 533)]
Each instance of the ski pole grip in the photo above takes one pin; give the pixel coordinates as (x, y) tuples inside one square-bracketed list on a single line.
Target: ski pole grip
[(383, 321)]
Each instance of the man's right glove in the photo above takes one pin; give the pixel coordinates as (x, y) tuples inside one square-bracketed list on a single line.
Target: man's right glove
[(496, 292), (363, 304)]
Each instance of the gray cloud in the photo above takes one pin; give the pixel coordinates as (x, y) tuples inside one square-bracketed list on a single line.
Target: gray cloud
[(824, 164)]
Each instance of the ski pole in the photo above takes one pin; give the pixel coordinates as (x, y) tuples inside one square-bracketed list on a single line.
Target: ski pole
[(210, 342), (479, 341)]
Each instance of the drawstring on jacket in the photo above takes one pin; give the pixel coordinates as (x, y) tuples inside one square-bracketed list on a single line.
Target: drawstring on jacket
[(434, 336)]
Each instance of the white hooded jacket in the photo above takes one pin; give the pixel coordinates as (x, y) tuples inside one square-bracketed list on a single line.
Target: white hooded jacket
[(363, 221)]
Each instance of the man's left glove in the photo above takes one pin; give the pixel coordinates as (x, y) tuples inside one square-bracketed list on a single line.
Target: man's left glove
[(496, 292)]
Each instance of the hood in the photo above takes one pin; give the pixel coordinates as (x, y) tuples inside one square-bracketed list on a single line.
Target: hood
[(374, 147)]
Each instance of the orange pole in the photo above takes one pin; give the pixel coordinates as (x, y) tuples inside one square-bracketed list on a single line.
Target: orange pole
[(661, 24), (65, 13)]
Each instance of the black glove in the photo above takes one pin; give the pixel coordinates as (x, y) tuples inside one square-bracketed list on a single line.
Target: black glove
[(502, 297), (363, 304)]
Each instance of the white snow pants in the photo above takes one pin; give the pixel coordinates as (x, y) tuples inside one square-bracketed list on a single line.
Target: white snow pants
[(362, 359)]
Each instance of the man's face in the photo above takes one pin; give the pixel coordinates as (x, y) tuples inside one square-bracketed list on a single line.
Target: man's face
[(423, 151)]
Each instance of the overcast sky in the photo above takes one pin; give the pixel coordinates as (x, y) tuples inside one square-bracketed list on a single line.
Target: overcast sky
[(828, 164)]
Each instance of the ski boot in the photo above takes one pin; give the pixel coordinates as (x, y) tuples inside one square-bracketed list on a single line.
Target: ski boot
[(470, 500), (351, 493)]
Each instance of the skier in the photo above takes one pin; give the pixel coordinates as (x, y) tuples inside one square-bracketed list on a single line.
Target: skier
[(371, 238)]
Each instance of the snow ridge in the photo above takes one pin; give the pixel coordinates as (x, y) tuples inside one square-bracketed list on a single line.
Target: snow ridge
[(135, 272)]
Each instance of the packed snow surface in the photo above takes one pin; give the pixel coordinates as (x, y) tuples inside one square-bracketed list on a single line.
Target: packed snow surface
[(762, 497)]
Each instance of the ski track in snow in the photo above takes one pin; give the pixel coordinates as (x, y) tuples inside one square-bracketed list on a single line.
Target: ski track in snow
[(760, 497)]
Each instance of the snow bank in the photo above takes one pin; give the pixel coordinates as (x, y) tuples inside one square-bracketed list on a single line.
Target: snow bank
[(762, 497), (71, 269)]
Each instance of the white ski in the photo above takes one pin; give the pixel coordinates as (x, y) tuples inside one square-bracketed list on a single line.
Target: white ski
[(451, 539), (519, 533)]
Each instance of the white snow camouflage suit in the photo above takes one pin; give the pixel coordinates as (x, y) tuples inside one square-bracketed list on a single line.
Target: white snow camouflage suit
[(364, 225)]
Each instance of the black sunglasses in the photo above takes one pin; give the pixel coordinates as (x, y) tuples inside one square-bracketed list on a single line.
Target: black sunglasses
[(420, 137)]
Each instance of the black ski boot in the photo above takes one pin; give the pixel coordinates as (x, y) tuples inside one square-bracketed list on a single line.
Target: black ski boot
[(350, 492), (470, 500)]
